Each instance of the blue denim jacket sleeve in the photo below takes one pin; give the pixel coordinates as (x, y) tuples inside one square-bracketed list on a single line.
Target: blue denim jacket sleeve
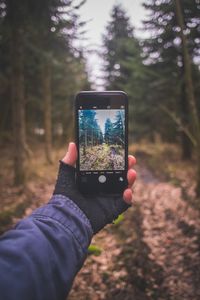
[(40, 257)]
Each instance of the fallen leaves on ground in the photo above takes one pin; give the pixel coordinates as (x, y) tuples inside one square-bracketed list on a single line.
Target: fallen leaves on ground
[(153, 254)]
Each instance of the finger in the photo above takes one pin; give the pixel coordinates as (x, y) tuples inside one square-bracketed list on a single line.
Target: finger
[(131, 161), (128, 195), (131, 176), (71, 155)]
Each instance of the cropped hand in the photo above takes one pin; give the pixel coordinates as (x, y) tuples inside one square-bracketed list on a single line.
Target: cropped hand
[(100, 210)]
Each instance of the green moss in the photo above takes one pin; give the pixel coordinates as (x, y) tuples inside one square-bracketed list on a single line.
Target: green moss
[(94, 250), (119, 219)]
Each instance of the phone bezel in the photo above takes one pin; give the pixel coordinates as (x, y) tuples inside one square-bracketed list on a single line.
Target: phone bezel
[(93, 98)]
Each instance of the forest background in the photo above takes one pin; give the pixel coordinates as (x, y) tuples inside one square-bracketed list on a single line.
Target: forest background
[(42, 68)]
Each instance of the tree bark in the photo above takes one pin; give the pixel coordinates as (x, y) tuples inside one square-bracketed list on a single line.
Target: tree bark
[(85, 144), (46, 95), (198, 176), (190, 92), (186, 144), (18, 104)]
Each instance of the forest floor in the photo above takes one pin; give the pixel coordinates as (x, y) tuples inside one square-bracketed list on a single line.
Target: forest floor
[(102, 157), (154, 253)]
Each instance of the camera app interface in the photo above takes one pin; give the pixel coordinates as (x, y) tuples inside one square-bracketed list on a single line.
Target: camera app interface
[(102, 139)]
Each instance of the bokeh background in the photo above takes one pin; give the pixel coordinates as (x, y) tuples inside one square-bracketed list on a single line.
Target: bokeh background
[(50, 50)]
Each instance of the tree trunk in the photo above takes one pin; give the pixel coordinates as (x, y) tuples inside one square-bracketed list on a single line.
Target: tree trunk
[(190, 93), (186, 144), (92, 137), (46, 95), (186, 147), (198, 176), (85, 144), (18, 104)]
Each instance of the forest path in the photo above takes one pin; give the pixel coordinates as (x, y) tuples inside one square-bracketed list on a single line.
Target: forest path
[(153, 254), (167, 264)]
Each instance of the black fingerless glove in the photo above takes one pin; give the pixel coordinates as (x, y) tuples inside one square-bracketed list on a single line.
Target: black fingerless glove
[(100, 210)]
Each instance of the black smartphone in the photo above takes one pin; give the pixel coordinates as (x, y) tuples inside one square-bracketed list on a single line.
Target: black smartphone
[(102, 140)]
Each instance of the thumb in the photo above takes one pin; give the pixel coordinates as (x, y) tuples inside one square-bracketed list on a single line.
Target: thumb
[(71, 155)]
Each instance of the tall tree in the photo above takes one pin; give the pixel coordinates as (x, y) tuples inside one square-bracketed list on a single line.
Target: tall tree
[(190, 91), (90, 133), (165, 58), (5, 106), (123, 65), (108, 135), (15, 27), (69, 76), (119, 46), (46, 75), (54, 39), (37, 33), (118, 128)]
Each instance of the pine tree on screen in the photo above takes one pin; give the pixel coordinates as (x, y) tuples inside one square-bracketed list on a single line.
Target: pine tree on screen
[(108, 135), (118, 128), (90, 133)]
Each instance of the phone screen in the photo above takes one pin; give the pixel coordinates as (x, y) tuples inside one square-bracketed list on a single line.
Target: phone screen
[(101, 139)]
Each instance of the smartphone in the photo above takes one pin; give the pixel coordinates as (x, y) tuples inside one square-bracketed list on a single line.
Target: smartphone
[(101, 122)]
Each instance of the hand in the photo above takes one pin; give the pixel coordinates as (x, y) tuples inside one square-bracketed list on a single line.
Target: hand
[(71, 157), (100, 210)]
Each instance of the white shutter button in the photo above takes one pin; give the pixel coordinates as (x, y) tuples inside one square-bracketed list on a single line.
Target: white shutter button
[(102, 179)]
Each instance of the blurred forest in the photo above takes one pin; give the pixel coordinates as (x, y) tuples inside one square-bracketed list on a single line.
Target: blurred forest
[(41, 69)]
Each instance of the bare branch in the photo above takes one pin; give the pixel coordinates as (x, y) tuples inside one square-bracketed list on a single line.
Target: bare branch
[(177, 120)]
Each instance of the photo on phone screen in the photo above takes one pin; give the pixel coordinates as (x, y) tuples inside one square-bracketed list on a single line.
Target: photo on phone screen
[(101, 126), (101, 139)]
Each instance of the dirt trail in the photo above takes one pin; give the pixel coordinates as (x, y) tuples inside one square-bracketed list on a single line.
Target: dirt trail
[(158, 250), (168, 243)]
